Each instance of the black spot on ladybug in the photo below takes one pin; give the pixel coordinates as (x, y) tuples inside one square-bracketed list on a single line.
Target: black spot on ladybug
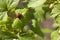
[(19, 16)]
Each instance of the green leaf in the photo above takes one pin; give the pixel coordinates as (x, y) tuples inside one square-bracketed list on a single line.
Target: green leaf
[(22, 11), (7, 35), (8, 4), (2, 5), (39, 13), (55, 11), (55, 35), (3, 17), (35, 3), (35, 27), (12, 4), (56, 14), (17, 24), (24, 38), (31, 37)]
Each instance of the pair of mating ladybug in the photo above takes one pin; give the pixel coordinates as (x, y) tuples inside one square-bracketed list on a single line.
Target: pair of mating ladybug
[(19, 15)]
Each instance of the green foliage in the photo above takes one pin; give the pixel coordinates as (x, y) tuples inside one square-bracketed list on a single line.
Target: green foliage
[(16, 24), (39, 13), (36, 28), (33, 13), (35, 3), (8, 4), (55, 10), (3, 17), (55, 14), (55, 35)]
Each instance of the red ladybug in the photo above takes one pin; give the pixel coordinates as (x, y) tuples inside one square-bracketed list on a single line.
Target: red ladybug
[(19, 16)]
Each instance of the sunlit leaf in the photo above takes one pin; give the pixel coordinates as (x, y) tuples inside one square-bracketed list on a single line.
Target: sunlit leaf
[(3, 17), (36, 3), (12, 4), (39, 13), (8, 4), (55, 35), (55, 11), (17, 23)]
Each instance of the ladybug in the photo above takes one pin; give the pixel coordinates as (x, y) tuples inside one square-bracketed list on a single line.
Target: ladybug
[(19, 16)]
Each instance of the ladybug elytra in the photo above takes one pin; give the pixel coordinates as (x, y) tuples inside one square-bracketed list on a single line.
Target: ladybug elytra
[(19, 16)]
